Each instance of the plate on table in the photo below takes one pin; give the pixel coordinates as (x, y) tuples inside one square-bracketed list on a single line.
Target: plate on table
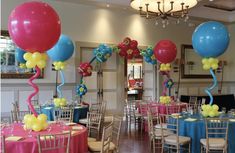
[(48, 108), (77, 128), (70, 124), (14, 138), (232, 120), (190, 119)]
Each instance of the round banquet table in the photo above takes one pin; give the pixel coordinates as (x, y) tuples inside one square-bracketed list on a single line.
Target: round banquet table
[(196, 130), (80, 112), (78, 143)]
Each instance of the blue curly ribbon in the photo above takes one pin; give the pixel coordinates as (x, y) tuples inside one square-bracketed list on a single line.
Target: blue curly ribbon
[(208, 90), (62, 83)]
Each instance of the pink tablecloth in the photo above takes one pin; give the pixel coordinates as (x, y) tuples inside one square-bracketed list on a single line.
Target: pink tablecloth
[(29, 144)]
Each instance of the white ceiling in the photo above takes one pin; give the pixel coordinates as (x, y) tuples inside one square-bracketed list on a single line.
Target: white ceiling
[(200, 11)]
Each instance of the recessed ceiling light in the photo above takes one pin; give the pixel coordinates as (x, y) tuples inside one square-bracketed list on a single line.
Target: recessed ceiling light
[(107, 5)]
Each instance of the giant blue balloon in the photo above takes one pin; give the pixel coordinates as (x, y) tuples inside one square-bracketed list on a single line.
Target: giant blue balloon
[(62, 50), (210, 39), (19, 54)]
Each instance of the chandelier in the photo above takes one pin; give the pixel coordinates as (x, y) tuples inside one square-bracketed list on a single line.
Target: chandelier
[(164, 9)]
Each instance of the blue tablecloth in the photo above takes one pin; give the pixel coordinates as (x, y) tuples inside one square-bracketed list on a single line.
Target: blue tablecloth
[(79, 113), (197, 130)]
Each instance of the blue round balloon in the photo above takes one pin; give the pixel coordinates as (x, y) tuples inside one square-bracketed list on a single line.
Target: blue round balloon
[(62, 50), (210, 39), (19, 54)]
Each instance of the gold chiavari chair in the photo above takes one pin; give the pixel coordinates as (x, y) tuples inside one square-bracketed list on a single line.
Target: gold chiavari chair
[(171, 109), (3, 144), (143, 112), (64, 114), (132, 113), (117, 124), (102, 146), (173, 140), (94, 125), (18, 116), (216, 135), (54, 142)]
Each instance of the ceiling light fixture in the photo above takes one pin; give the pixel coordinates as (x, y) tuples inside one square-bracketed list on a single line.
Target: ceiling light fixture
[(164, 9)]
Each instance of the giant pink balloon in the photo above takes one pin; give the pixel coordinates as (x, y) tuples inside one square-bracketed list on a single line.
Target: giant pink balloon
[(34, 26), (165, 51)]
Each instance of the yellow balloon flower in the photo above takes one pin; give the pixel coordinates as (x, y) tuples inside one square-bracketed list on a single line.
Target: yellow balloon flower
[(36, 56), (27, 56)]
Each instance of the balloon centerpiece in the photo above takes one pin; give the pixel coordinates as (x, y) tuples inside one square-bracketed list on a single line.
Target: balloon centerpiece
[(210, 40), (165, 52), (62, 51), (35, 123)]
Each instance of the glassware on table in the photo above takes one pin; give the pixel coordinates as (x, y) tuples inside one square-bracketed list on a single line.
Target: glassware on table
[(223, 110), (30, 133)]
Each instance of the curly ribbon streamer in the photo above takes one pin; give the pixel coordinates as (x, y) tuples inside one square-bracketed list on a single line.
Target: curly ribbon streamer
[(62, 83), (30, 82), (208, 90)]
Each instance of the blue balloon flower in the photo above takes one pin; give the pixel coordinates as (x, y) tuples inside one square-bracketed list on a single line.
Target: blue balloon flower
[(81, 90), (149, 56), (169, 83), (102, 53), (210, 39), (62, 50), (19, 54)]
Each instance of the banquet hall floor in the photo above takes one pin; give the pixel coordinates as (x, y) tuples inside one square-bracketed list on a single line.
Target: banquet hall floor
[(132, 141)]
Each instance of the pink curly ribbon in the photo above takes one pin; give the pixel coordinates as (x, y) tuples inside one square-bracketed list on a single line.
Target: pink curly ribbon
[(30, 82)]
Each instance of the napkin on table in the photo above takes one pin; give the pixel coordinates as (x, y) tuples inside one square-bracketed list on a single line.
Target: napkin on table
[(70, 124), (190, 119), (77, 128), (14, 138)]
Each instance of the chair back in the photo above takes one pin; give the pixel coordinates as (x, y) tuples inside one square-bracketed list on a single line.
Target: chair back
[(106, 138), (170, 109), (94, 123), (64, 114), (95, 107), (2, 144), (143, 108), (193, 100), (18, 116), (54, 142), (217, 128), (117, 124), (154, 109)]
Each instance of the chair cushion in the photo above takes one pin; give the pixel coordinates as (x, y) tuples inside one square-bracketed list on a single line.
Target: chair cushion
[(108, 119), (158, 126), (96, 146), (83, 121), (158, 133), (90, 139), (172, 139), (214, 143)]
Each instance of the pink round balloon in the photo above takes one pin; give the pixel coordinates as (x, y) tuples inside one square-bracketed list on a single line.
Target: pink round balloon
[(34, 26), (165, 51)]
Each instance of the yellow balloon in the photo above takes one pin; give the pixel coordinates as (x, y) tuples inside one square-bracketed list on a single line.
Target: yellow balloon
[(211, 60), (36, 56), (27, 56), (204, 61), (26, 117), (37, 127), (41, 64), (216, 60), (44, 56), (44, 125), (206, 66), (203, 107), (42, 117), (168, 65), (30, 64), (215, 107), (204, 113), (214, 66), (212, 114)]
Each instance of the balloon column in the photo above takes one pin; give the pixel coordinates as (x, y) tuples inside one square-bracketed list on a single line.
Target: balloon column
[(165, 52), (35, 28), (210, 40), (61, 52), (101, 54)]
